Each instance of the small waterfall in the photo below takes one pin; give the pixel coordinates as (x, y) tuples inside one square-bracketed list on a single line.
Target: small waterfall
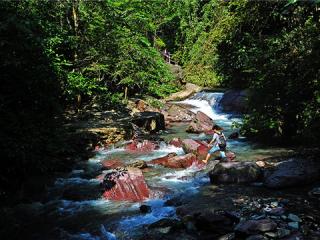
[(213, 98), (208, 103)]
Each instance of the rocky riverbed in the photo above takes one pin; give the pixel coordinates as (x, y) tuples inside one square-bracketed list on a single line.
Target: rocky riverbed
[(153, 185)]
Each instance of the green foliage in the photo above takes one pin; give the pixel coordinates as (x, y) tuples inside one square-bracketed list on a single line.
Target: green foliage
[(270, 47)]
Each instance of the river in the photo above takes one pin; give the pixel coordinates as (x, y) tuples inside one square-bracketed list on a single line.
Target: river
[(74, 208)]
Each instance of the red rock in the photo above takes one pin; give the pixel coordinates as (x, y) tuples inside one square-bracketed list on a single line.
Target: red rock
[(202, 150), (176, 142), (128, 185), (111, 163), (163, 160), (145, 146), (184, 161), (230, 155), (199, 148), (190, 145), (201, 123)]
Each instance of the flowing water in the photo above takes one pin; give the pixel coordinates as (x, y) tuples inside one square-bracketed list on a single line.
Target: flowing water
[(76, 210)]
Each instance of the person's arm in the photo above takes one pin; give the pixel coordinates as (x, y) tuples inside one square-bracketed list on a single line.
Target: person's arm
[(213, 140)]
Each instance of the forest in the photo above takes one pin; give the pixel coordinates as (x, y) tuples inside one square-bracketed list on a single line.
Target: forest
[(58, 56)]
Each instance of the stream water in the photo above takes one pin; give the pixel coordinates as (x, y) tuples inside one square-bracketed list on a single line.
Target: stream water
[(75, 209)]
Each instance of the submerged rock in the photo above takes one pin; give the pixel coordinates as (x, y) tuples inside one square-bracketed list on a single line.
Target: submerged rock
[(235, 172), (125, 184)]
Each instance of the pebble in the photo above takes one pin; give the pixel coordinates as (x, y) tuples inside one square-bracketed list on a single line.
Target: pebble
[(294, 225), (315, 191), (294, 218), (282, 232), (271, 234), (274, 204)]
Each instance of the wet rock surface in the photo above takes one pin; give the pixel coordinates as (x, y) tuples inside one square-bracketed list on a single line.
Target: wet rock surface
[(201, 123), (235, 100), (235, 172), (125, 184), (292, 172)]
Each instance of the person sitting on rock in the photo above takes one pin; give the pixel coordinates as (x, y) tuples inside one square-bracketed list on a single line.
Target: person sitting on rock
[(218, 143)]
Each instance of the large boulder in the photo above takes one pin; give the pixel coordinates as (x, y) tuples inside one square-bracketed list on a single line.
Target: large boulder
[(199, 148), (178, 113), (126, 184), (201, 123), (235, 100), (235, 172), (291, 173), (184, 161), (149, 121), (190, 89)]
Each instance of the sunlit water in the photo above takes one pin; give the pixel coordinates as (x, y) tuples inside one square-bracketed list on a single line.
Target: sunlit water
[(77, 211)]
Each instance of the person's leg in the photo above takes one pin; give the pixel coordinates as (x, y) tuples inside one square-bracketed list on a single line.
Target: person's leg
[(211, 151)]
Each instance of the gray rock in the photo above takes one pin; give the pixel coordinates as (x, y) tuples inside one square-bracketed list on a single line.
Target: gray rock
[(291, 173), (282, 232), (235, 172), (293, 225), (256, 237), (255, 226), (235, 100), (294, 218), (271, 234)]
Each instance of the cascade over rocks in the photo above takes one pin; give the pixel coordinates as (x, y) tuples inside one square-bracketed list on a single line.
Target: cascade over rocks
[(125, 184), (235, 172), (235, 100), (201, 123), (291, 173)]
